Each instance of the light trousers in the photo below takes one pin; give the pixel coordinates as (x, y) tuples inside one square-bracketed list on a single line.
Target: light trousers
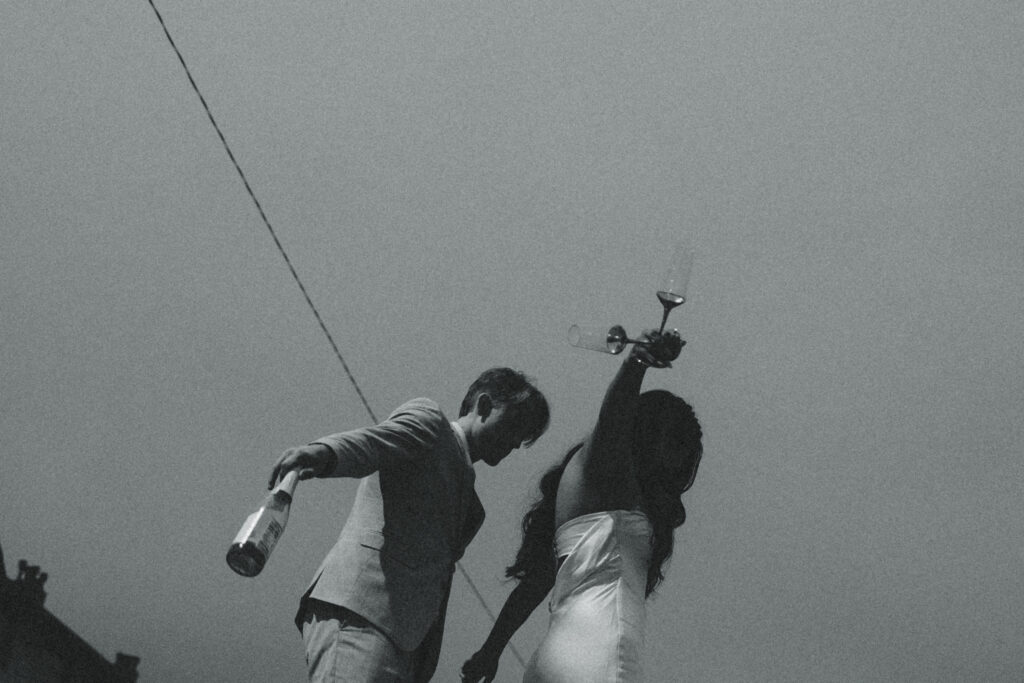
[(343, 646)]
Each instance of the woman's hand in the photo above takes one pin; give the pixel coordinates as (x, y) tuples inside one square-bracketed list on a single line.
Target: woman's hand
[(660, 350), (482, 666)]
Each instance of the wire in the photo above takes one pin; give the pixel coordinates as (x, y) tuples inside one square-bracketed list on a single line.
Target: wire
[(263, 215), (295, 276)]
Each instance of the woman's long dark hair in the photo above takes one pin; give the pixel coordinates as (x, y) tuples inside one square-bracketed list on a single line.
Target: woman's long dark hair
[(535, 560)]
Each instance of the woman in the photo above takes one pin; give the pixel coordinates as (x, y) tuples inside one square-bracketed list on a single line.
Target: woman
[(602, 531)]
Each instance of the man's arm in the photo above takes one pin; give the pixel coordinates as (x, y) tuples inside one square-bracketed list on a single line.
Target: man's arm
[(408, 435)]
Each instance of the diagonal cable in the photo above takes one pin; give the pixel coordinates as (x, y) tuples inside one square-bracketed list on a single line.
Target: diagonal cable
[(263, 215), (295, 276), (487, 609)]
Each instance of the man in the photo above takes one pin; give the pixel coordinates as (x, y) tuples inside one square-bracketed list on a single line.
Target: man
[(376, 606)]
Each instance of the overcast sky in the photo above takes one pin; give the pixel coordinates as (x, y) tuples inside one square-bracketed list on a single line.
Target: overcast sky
[(458, 182)]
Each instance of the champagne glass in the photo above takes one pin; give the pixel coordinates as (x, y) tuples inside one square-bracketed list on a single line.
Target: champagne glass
[(598, 338), (672, 289)]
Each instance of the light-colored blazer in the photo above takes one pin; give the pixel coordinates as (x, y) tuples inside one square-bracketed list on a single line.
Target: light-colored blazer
[(414, 514)]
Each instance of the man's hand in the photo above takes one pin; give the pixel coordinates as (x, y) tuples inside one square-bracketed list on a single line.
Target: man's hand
[(310, 461)]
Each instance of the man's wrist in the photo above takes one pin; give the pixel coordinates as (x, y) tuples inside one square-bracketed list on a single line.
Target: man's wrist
[(329, 462)]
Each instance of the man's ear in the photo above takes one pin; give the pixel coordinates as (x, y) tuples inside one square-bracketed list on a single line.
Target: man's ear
[(484, 406)]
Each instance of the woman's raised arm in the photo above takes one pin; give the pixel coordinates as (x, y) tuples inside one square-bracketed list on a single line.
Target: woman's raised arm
[(602, 474)]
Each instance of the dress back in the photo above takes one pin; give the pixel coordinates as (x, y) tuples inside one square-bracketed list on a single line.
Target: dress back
[(597, 603)]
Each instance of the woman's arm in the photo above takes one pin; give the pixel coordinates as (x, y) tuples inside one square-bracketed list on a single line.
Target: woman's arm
[(602, 475), (483, 665)]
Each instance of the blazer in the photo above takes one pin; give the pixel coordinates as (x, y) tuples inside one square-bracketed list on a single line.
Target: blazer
[(414, 513)]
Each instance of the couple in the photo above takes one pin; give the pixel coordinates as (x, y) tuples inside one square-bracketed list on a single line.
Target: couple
[(375, 609)]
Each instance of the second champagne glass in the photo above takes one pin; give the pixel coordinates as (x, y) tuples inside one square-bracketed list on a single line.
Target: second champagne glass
[(672, 289)]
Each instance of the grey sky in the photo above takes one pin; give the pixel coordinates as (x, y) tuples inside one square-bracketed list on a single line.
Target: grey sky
[(456, 184)]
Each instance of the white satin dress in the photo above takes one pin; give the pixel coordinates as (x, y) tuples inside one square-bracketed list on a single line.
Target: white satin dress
[(596, 632)]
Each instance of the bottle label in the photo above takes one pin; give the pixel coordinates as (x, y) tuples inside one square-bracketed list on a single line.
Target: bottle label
[(260, 529), (269, 538)]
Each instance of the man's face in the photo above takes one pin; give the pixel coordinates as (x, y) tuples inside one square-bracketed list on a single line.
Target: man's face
[(499, 433)]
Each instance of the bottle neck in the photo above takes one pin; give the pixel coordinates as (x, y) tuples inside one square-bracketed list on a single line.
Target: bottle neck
[(287, 484)]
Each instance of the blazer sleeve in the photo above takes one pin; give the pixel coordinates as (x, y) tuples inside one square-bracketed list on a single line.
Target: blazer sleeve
[(407, 436)]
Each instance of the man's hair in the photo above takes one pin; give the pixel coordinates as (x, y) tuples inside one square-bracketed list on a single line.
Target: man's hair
[(515, 392)]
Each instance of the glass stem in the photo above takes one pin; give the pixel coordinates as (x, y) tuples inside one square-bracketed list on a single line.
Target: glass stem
[(664, 319)]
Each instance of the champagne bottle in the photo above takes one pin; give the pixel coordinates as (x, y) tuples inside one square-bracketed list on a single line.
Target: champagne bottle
[(258, 536)]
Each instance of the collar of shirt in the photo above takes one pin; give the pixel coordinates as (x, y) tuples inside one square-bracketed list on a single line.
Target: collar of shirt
[(460, 436)]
